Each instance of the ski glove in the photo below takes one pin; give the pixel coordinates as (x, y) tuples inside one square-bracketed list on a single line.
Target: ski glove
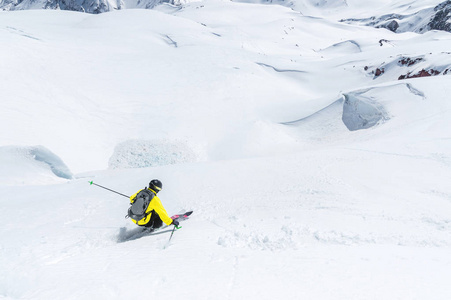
[(175, 222)]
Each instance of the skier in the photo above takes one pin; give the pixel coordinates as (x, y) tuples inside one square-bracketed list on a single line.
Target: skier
[(154, 215)]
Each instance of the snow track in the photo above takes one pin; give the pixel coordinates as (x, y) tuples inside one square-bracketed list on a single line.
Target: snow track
[(283, 234)]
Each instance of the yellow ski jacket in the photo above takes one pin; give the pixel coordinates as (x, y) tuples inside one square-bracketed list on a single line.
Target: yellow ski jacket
[(154, 205)]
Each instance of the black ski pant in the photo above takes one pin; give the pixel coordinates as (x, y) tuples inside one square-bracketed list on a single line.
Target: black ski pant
[(154, 222)]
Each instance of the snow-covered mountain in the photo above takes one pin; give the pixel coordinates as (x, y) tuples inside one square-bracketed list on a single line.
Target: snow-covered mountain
[(87, 6), (401, 16), (423, 20), (314, 152)]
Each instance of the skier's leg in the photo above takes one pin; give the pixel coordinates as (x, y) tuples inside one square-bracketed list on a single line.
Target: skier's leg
[(157, 222), (154, 222)]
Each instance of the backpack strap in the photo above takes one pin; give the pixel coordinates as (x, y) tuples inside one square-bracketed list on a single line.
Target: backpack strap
[(153, 194)]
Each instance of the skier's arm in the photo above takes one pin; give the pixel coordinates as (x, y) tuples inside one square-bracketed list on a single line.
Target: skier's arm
[(133, 197), (159, 209)]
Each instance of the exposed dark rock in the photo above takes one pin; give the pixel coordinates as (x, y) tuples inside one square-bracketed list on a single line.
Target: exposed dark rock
[(388, 21), (88, 6), (407, 61), (390, 25), (441, 19), (431, 18), (381, 42), (379, 72), (422, 73), (404, 67)]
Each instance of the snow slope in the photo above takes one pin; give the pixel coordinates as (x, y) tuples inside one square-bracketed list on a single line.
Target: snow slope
[(310, 177)]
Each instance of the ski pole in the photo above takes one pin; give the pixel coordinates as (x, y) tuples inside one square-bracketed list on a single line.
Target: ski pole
[(175, 227), (92, 183)]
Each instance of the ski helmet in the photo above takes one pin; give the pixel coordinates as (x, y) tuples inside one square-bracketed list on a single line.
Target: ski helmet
[(155, 185)]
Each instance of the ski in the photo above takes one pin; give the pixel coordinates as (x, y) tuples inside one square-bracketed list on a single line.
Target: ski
[(183, 216), (140, 232), (179, 217)]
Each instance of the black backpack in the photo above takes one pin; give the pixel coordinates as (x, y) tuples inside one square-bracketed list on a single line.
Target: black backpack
[(139, 206)]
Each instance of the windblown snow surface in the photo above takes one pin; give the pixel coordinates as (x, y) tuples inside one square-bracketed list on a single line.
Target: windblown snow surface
[(310, 176)]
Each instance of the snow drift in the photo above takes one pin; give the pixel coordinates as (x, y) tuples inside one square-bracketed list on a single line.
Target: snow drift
[(31, 165), (360, 112), (150, 153), (363, 109)]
